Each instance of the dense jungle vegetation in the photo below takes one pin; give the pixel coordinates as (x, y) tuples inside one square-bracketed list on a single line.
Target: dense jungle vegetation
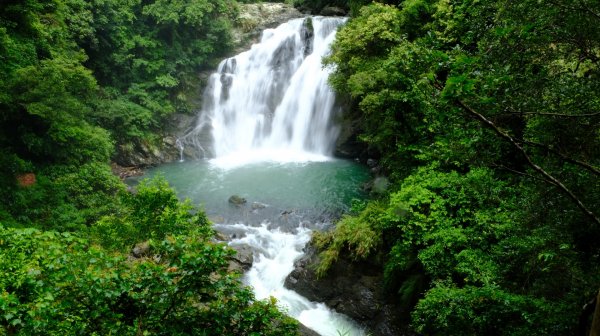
[(484, 116), (486, 119), (79, 79)]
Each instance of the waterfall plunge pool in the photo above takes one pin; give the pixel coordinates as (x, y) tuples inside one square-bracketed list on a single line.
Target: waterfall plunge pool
[(285, 202), (268, 119), (284, 194)]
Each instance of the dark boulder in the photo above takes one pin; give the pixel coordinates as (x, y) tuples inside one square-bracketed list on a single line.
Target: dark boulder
[(305, 331), (352, 288), (237, 200)]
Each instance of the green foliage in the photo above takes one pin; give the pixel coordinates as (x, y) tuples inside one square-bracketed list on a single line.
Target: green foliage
[(63, 284), (155, 47), (477, 240), (124, 119), (458, 238), (353, 6), (144, 55), (360, 236), (152, 212), (449, 221), (483, 310), (59, 284), (77, 78), (63, 198)]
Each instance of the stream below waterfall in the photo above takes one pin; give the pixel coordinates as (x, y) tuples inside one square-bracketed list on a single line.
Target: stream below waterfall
[(268, 125), (285, 203)]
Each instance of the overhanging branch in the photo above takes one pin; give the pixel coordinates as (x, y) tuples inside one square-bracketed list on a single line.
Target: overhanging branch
[(540, 170), (564, 157), (564, 115)]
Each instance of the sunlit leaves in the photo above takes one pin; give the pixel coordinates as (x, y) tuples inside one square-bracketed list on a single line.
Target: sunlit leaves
[(360, 236), (59, 283)]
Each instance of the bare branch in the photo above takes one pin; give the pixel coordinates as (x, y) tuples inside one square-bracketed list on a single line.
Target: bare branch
[(547, 176), (564, 157), (540, 170), (583, 8), (587, 8), (521, 173), (596, 114)]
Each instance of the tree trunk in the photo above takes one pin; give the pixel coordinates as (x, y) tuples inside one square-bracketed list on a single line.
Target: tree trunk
[(595, 330)]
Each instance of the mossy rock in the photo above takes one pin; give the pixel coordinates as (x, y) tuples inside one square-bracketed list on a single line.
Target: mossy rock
[(237, 200)]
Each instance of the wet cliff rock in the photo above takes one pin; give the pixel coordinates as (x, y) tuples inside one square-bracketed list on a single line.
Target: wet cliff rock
[(254, 18), (351, 288)]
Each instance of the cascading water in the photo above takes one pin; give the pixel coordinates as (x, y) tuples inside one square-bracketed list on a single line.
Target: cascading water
[(273, 104)]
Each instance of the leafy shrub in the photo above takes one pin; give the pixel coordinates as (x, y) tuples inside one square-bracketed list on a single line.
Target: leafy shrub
[(59, 284), (357, 236), (487, 310), (454, 249), (152, 212)]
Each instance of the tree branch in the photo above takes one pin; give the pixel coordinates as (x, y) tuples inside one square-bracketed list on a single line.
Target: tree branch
[(589, 10), (521, 173), (176, 299), (564, 157), (595, 114), (547, 176), (583, 8)]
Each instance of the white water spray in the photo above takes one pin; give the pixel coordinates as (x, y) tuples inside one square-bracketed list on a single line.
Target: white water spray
[(272, 102), (275, 253), (181, 148)]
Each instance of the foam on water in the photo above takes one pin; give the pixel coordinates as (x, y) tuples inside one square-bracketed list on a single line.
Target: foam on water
[(239, 159), (275, 253), (272, 104)]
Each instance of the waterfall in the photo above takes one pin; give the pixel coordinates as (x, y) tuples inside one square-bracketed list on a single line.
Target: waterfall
[(272, 102)]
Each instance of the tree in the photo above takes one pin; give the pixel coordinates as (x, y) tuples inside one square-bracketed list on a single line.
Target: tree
[(476, 109), (61, 283)]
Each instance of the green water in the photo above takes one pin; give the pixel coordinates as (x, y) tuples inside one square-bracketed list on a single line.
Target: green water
[(283, 194)]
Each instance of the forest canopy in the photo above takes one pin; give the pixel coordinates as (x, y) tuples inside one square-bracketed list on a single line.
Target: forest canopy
[(484, 116), (82, 81)]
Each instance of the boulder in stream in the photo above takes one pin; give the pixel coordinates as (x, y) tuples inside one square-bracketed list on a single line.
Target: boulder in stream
[(242, 260), (237, 200), (258, 205)]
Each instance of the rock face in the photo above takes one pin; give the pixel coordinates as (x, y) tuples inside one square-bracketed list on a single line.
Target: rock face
[(168, 149), (348, 146), (254, 18), (353, 289), (243, 260)]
